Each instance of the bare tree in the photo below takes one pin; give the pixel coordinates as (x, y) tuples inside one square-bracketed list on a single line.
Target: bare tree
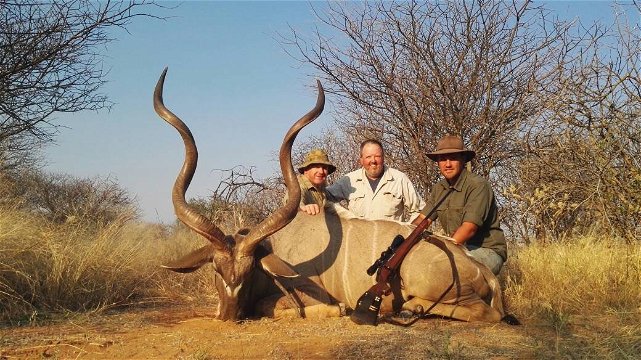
[(583, 170), (409, 72), (240, 200), (50, 63)]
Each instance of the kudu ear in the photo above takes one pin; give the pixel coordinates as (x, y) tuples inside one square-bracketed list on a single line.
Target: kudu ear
[(273, 265), (193, 261)]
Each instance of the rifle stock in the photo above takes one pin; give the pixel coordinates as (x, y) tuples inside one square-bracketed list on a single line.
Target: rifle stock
[(368, 305)]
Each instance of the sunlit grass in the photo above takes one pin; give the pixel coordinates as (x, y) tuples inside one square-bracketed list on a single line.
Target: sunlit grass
[(587, 290), (577, 276), (46, 268)]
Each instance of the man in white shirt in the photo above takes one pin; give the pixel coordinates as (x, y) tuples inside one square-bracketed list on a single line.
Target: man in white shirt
[(377, 192)]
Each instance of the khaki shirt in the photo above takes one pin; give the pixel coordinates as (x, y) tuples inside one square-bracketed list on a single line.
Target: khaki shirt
[(308, 193), (394, 199), (473, 201)]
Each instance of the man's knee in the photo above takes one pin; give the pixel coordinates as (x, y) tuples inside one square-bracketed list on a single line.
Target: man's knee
[(488, 257)]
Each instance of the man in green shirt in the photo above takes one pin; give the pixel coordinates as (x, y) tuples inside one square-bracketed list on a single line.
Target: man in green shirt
[(469, 213), (313, 180)]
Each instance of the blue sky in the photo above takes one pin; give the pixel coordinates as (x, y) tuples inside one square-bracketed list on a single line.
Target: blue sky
[(229, 79)]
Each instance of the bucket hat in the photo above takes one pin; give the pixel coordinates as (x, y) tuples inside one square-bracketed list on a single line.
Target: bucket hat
[(451, 144), (317, 156)]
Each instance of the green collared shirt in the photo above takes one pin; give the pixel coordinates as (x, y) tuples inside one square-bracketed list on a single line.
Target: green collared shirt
[(473, 201), (309, 194)]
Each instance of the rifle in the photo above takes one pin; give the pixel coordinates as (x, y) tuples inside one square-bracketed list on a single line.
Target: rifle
[(369, 304)]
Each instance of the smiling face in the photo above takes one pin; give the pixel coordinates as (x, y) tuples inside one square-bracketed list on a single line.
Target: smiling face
[(317, 174), (451, 166), (372, 160)]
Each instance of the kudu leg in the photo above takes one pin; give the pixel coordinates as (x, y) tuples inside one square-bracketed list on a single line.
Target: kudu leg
[(279, 306), (318, 311), (473, 310)]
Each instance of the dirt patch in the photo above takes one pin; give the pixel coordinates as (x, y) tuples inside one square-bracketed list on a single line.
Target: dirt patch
[(193, 333)]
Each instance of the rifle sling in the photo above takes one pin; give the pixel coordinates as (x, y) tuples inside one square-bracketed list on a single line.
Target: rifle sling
[(394, 262)]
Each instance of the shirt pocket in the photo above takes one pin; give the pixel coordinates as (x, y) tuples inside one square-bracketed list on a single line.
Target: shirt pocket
[(356, 203), (392, 204)]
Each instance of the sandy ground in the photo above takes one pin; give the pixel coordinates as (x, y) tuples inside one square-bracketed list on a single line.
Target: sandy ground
[(192, 333)]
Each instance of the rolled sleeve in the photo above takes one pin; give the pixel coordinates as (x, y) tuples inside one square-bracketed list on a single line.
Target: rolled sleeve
[(478, 204)]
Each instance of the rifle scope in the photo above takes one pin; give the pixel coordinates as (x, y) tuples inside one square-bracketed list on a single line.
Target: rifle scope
[(385, 255)]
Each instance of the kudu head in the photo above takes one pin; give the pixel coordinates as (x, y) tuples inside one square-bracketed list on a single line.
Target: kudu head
[(233, 256)]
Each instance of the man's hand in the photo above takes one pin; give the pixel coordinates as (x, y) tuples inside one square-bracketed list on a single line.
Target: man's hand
[(417, 220), (311, 209)]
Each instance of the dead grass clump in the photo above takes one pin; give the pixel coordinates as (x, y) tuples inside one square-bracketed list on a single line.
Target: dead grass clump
[(177, 287), (47, 268), (587, 291), (67, 267), (575, 277), (17, 234)]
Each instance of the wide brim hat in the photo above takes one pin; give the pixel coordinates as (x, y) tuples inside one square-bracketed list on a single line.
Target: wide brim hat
[(316, 156), (451, 144)]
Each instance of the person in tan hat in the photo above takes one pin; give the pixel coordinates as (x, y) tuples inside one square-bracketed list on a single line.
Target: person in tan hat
[(469, 214), (376, 191), (313, 180)]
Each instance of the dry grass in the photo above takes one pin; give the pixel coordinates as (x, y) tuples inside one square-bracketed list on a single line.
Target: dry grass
[(587, 290), (46, 268), (578, 299), (575, 277)]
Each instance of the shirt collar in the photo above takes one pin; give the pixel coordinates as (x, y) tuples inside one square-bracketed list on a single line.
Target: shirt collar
[(458, 186), (305, 183)]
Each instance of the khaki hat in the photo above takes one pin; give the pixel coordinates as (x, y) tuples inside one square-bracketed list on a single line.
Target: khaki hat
[(451, 144), (317, 156)]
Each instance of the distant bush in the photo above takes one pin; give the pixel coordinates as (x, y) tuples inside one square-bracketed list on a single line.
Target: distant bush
[(62, 198)]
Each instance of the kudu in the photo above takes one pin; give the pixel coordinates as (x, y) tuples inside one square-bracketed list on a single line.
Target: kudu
[(320, 261)]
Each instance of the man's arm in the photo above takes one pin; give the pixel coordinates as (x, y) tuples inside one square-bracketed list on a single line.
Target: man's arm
[(334, 192), (477, 208), (464, 232), (413, 203)]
